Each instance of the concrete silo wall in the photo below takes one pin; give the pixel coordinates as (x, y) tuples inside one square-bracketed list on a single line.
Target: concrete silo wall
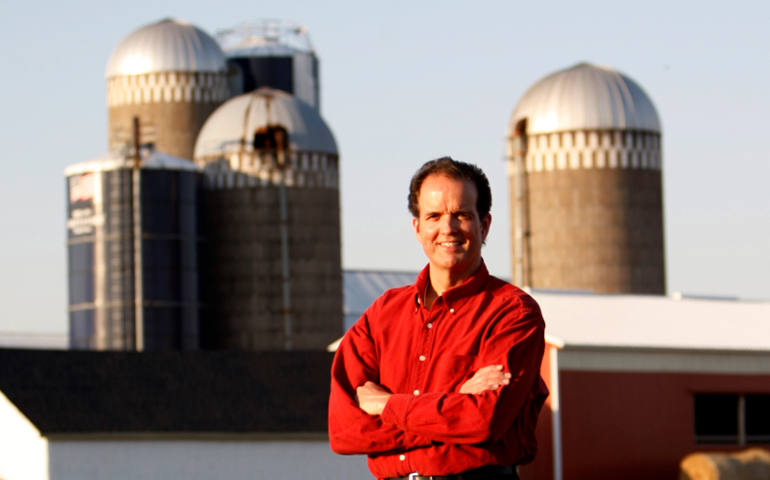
[(591, 213), (171, 106), (596, 230), (272, 277)]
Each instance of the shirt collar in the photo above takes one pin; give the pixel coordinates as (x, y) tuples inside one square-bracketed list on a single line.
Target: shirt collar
[(470, 286)]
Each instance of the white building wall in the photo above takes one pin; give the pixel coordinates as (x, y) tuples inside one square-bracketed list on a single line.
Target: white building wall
[(23, 452), (138, 459)]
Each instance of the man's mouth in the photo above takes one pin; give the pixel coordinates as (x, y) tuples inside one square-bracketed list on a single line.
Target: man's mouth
[(450, 244)]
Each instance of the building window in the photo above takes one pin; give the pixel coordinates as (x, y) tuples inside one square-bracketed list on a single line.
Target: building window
[(730, 418), (757, 418), (716, 418)]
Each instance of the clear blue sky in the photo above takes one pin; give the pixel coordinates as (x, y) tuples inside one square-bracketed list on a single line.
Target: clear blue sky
[(403, 82)]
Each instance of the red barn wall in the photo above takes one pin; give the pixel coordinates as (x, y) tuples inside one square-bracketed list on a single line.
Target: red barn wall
[(635, 425)]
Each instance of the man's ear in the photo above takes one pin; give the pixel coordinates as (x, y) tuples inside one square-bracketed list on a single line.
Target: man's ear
[(486, 222), (416, 227)]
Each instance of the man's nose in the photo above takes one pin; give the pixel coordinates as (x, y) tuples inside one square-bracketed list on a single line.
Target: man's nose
[(448, 224)]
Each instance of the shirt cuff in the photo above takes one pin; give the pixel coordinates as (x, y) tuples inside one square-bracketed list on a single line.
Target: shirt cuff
[(395, 410)]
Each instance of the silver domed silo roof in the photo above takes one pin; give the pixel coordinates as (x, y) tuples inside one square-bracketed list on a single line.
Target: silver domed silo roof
[(240, 117), (166, 46), (582, 97)]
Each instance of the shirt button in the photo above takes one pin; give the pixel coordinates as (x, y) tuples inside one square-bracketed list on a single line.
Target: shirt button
[(429, 325), (402, 457), (451, 310), (416, 392), (422, 358)]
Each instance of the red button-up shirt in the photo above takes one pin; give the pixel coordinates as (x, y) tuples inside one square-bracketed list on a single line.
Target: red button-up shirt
[(423, 356)]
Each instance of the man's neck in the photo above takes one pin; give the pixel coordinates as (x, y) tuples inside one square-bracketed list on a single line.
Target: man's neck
[(440, 280)]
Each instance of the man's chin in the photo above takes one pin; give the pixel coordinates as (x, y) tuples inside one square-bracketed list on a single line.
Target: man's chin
[(454, 266)]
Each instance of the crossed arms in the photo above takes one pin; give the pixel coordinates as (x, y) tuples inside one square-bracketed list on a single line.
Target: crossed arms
[(372, 398), (366, 416)]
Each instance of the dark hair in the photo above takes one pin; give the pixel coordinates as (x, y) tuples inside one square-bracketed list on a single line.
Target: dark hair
[(454, 169)]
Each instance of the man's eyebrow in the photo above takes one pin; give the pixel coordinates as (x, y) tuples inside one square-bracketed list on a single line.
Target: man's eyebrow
[(464, 211), (459, 211)]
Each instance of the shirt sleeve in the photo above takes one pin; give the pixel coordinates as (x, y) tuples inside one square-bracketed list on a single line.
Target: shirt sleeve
[(517, 342), (351, 430)]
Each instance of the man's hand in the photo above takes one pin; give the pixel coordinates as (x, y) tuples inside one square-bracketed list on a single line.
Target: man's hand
[(487, 378), (372, 398)]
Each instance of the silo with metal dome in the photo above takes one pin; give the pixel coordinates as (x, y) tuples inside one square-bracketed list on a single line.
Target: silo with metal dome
[(584, 163), (169, 74), (271, 271)]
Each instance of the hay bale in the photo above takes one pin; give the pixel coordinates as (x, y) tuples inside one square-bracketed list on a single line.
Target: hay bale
[(751, 464)]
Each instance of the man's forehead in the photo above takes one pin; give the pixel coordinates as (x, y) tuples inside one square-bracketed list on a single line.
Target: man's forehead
[(433, 177), (469, 193)]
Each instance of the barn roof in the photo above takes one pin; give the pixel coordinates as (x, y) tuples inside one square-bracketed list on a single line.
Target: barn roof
[(649, 321), (80, 392)]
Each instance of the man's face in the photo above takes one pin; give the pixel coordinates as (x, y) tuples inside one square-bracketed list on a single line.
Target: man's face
[(448, 225)]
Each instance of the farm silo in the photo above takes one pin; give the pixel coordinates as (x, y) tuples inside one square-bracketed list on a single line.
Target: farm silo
[(132, 234), (584, 163), (171, 75), (271, 276), (271, 53)]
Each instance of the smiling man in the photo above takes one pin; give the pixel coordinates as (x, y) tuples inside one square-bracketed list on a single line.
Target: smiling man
[(441, 379)]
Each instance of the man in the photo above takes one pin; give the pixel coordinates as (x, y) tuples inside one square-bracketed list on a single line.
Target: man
[(442, 378)]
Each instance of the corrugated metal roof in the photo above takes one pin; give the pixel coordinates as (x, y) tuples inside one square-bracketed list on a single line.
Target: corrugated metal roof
[(585, 97), (241, 116), (151, 159), (362, 287), (166, 46)]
